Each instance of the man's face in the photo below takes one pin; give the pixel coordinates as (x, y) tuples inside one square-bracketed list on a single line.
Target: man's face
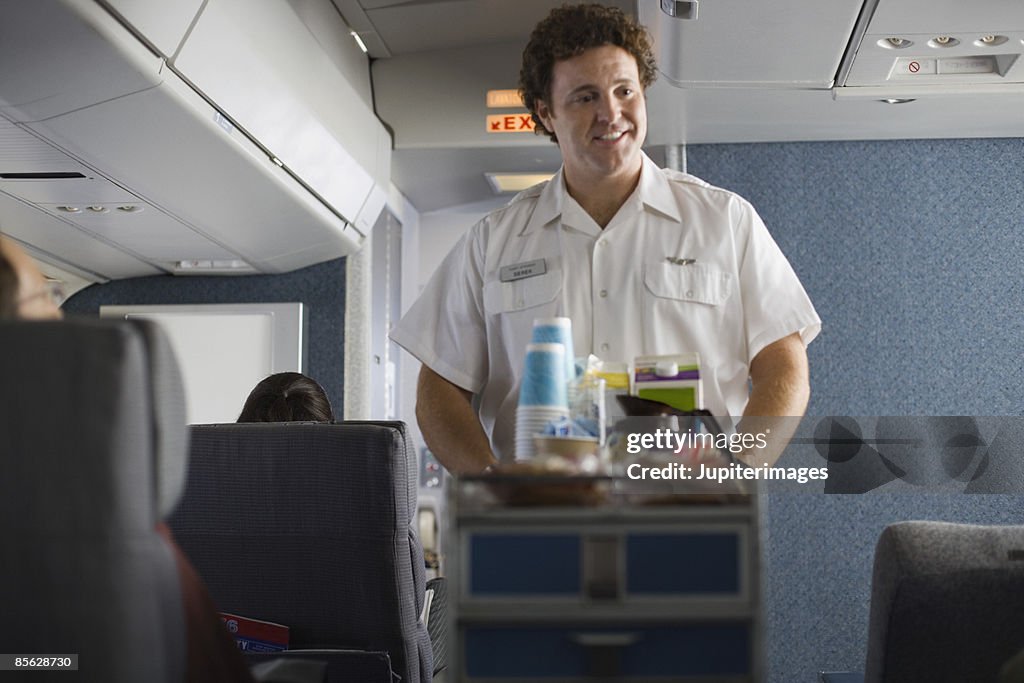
[(597, 111), (34, 296)]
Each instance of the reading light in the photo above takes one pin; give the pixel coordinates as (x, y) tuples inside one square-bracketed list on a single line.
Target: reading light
[(897, 100), (895, 43), (70, 209), (129, 208), (359, 41), (943, 41), (990, 41), (96, 208), (515, 182)]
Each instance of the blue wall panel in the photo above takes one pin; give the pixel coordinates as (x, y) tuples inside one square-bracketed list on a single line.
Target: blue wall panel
[(912, 252), (321, 288)]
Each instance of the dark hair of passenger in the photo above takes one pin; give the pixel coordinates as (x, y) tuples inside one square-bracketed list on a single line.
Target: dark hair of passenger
[(8, 289), (567, 32), (287, 397)]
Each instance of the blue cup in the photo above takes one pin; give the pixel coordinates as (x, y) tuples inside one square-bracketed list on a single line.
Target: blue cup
[(544, 382), (557, 331)]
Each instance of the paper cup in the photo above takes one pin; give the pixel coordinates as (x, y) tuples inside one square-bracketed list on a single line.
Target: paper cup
[(531, 421), (544, 382), (557, 331)]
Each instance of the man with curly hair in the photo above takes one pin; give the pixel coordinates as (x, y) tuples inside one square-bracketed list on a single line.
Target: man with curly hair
[(644, 261)]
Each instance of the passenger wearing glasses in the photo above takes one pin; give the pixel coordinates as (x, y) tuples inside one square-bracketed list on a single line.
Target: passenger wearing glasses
[(212, 657), (30, 295)]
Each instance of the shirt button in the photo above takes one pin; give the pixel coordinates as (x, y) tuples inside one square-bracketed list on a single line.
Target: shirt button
[(602, 243), (520, 302), (605, 347), (604, 293), (689, 293)]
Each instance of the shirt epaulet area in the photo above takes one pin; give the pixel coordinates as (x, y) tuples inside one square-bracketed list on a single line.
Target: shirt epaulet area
[(530, 193), (687, 179)]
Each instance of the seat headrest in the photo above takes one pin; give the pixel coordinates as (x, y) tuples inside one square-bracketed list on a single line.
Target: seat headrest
[(928, 547), (64, 372), (945, 602), (83, 563), (170, 432)]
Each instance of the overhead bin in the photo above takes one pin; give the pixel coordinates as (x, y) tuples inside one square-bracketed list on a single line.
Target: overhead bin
[(751, 44), (232, 127), (845, 44), (928, 46)]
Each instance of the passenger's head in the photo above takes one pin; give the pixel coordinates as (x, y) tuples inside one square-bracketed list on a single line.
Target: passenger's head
[(8, 286), (287, 397), (24, 291), (567, 32)]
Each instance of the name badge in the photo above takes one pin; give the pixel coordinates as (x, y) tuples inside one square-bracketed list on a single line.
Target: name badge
[(519, 271)]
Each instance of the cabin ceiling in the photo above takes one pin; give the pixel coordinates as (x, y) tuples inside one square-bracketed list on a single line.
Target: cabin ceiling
[(121, 155), (791, 70)]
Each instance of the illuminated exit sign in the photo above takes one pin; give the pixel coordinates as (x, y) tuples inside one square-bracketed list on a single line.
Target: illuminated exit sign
[(510, 123), (504, 99)]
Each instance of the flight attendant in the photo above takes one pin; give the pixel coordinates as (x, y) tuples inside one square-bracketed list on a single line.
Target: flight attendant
[(643, 260)]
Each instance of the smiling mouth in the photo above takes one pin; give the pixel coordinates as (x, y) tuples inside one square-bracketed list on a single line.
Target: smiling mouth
[(611, 137)]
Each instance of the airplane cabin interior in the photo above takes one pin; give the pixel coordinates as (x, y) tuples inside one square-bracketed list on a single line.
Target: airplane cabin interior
[(220, 191)]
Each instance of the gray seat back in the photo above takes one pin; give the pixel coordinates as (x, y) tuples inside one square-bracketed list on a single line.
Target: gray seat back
[(82, 569), (946, 602), (310, 526)]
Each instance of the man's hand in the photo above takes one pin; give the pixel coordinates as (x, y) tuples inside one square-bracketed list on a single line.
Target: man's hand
[(778, 397), (450, 426)]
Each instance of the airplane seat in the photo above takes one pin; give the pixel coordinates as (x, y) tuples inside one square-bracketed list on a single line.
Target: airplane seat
[(946, 602), (84, 571), (168, 415), (311, 526), (437, 621)]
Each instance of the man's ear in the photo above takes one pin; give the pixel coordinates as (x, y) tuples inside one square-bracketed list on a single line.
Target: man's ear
[(544, 114)]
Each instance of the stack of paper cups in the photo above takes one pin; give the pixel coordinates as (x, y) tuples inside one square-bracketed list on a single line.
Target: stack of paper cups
[(542, 394), (557, 331)]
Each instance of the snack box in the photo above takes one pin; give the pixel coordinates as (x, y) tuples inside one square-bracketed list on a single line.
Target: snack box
[(671, 379)]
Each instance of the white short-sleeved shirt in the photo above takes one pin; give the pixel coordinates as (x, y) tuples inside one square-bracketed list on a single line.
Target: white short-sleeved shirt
[(683, 266)]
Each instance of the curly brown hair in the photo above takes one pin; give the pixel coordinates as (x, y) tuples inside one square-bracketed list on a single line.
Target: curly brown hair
[(567, 32)]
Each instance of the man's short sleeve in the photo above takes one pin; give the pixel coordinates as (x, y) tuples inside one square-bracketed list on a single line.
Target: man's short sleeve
[(445, 327), (775, 304)]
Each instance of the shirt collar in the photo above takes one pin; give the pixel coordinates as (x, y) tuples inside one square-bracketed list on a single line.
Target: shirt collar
[(654, 190), (549, 204)]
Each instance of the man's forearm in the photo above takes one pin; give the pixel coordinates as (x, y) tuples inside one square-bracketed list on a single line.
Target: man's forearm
[(778, 398), (450, 426)]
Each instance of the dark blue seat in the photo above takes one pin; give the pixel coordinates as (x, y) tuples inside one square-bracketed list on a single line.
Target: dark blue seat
[(946, 605), (92, 432), (310, 526)]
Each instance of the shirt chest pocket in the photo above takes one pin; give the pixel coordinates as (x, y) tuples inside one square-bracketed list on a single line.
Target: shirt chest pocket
[(696, 283), (520, 295)]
